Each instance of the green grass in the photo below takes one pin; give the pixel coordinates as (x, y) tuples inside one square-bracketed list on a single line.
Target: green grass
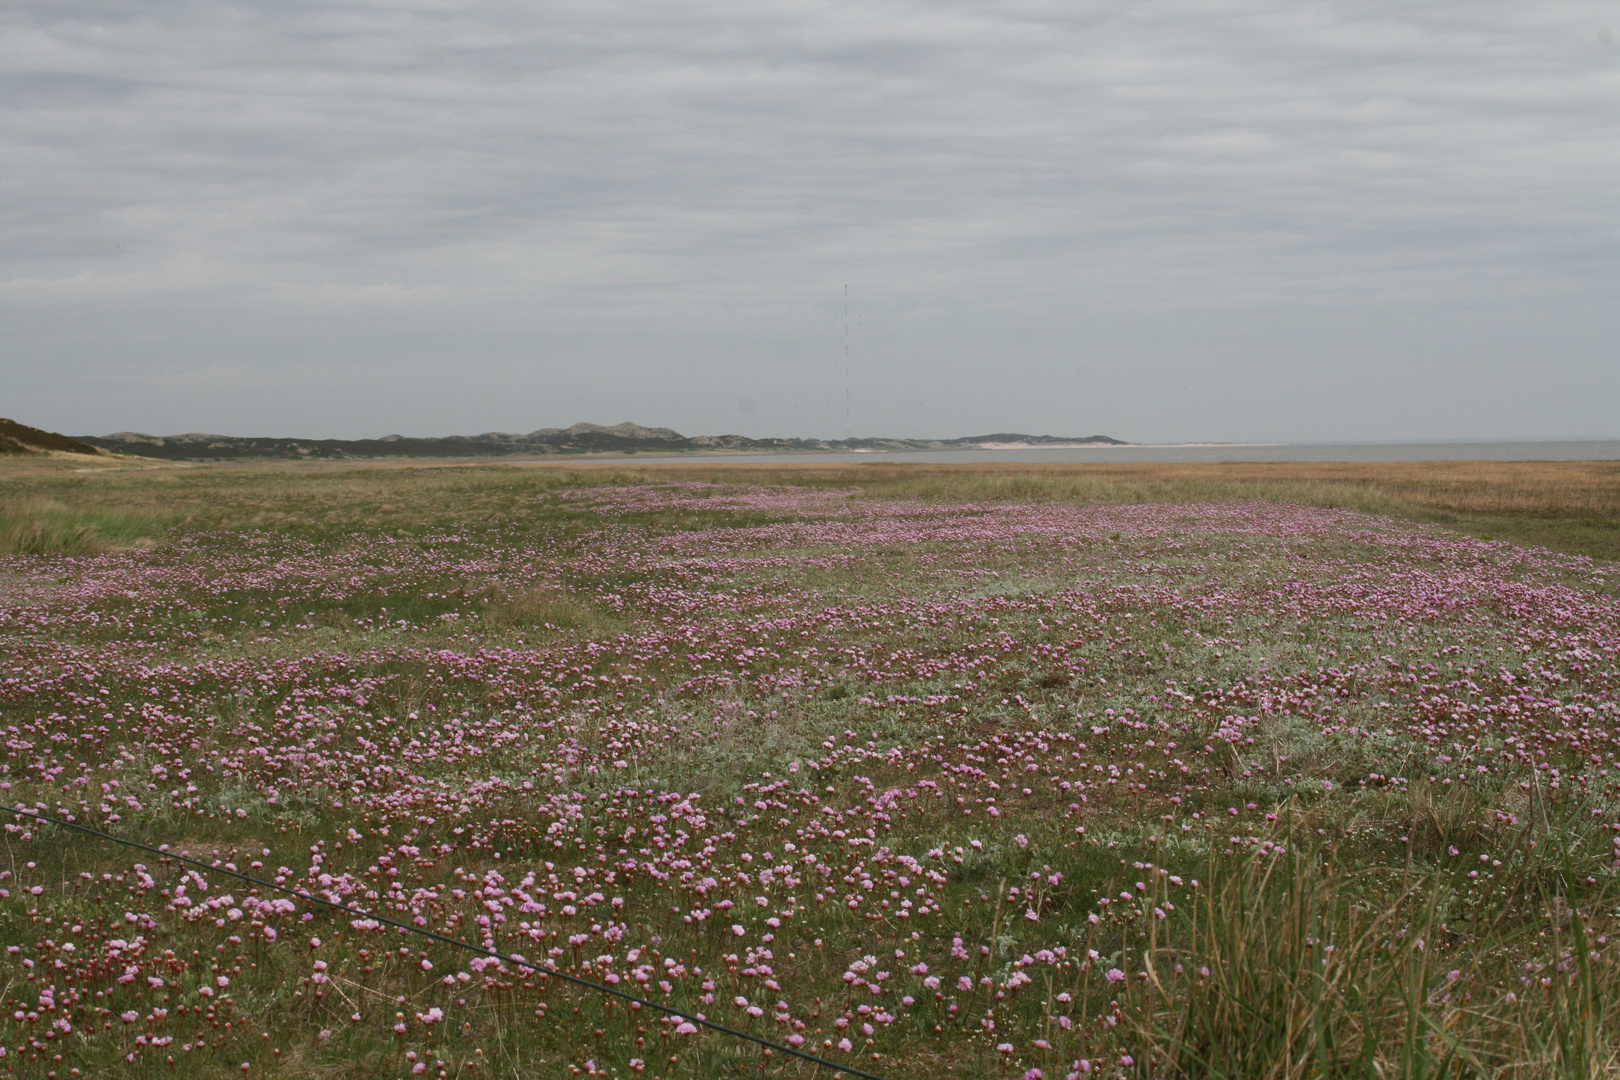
[(1571, 507), (37, 526), (1595, 536), (1288, 967)]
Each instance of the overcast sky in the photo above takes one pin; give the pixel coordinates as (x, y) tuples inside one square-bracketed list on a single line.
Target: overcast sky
[(1186, 220)]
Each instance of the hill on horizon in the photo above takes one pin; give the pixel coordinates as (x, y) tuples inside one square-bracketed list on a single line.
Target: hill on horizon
[(581, 438), (18, 438)]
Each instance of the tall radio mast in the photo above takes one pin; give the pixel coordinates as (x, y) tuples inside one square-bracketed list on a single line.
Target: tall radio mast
[(846, 364)]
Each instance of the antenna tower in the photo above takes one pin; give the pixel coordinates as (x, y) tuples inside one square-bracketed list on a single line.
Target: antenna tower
[(846, 364)]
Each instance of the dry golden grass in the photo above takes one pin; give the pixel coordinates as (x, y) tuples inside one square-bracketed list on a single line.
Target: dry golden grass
[(61, 463), (1544, 488), (537, 607)]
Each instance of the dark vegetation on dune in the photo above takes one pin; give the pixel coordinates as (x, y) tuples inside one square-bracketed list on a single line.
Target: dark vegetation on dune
[(578, 439), (18, 438)]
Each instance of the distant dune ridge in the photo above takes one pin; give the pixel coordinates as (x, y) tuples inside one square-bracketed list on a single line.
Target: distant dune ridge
[(18, 438), (578, 439)]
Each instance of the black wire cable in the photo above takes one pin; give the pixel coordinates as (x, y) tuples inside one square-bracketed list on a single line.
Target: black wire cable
[(526, 965)]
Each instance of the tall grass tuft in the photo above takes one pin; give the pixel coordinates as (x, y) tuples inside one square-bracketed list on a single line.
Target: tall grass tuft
[(535, 608), (44, 526), (1287, 965)]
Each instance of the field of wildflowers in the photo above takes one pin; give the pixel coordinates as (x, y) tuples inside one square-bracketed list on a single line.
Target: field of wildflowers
[(988, 790)]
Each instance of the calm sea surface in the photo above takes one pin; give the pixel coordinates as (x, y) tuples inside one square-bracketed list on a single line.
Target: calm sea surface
[(1603, 450)]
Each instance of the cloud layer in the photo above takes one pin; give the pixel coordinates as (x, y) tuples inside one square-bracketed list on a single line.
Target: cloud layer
[(1185, 220)]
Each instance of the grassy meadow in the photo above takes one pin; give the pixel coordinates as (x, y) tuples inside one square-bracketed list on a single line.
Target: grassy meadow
[(986, 771), (1569, 506)]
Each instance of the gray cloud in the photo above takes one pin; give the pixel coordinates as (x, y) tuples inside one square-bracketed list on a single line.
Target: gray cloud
[(1244, 220)]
